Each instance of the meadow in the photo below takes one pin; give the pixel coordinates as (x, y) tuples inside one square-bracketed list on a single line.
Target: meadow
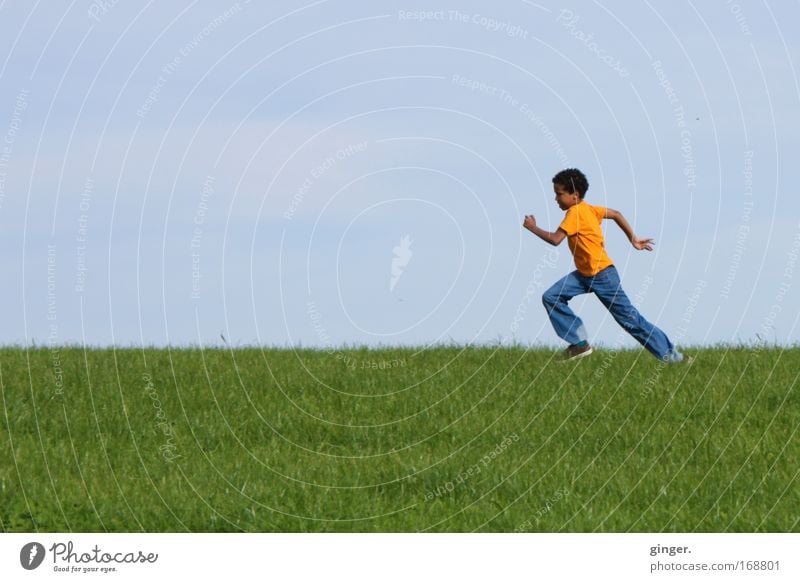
[(443, 439)]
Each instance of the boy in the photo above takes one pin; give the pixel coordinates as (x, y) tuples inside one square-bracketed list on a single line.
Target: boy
[(595, 272)]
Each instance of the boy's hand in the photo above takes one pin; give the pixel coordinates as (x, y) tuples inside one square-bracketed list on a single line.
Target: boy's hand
[(529, 222), (552, 238), (642, 244)]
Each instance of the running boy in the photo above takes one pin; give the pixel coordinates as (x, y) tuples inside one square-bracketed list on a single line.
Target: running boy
[(595, 272)]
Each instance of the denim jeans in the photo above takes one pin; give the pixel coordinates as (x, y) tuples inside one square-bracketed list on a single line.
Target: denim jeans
[(606, 286)]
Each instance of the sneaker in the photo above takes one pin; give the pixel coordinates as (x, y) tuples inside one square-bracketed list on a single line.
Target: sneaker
[(576, 352), (671, 358)]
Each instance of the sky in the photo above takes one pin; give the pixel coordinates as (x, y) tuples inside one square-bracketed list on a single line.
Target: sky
[(338, 173)]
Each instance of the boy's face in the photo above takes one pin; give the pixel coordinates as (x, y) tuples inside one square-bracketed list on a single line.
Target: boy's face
[(564, 199)]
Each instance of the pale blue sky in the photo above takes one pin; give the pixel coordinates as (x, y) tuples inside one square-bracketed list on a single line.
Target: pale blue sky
[(295, 145)]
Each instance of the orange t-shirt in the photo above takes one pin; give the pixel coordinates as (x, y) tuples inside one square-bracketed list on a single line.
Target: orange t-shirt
[(585, 238)]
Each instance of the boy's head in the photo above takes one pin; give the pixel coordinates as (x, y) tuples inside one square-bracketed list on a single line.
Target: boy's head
[(570, 186)]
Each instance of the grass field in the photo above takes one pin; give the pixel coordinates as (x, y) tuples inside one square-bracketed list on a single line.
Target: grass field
[(443, 439)]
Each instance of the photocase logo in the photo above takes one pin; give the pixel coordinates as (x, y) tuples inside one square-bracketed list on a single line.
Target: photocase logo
[(32, 555), (402, 256)]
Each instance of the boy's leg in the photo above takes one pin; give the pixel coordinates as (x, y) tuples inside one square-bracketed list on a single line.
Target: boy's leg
[(606, 285), (568, 326)]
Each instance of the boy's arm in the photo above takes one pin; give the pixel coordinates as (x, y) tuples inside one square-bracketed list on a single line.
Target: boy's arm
[(640, 244), (553, 238)]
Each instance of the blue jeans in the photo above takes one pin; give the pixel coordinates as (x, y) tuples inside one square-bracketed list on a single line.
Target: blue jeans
[(606, 286)]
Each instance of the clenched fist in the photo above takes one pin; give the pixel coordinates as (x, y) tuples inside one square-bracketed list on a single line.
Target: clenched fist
[(529, 222)]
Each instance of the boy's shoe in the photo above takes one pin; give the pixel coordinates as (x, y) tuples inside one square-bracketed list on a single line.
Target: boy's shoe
[(576, 352)]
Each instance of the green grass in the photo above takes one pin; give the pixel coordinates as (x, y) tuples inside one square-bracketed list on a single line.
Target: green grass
[(444, 439)]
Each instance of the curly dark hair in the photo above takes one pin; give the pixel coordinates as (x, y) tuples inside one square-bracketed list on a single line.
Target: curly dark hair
[(572, 180)]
